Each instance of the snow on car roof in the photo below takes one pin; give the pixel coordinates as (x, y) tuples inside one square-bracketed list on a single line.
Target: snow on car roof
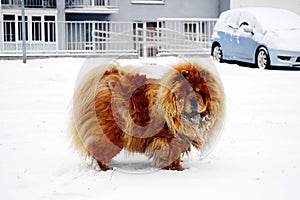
[(269, 18)]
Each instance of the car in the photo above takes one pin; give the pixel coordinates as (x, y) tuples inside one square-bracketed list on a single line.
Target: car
[(262, 36)]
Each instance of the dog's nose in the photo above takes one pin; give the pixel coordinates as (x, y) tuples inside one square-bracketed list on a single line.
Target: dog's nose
[(194, 104)]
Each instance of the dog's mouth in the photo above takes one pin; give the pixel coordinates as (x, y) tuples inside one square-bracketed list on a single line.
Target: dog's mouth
[(194, 116)]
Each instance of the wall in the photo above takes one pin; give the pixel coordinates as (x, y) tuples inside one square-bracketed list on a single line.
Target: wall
[(60, 27), (1, 31), (224, 5), (171, 9), (293, 5)]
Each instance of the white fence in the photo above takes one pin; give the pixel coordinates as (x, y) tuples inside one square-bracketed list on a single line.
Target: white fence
[(184, 35), (49, 37), (100, 37)]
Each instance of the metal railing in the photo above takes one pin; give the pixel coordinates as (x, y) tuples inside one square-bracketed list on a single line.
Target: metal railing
[(184, 35), (45, 36), (99, 37), (41, 37), (29, 3), (90, 3)]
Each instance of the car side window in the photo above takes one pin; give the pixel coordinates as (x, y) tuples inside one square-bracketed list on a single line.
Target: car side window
[(232, 21)]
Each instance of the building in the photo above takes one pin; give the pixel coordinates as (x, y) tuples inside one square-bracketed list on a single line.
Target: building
[(107, 26)]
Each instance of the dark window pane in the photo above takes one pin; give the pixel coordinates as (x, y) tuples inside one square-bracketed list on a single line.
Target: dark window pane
[(9, 28), (20, 28), (36, 28), (9, 17), (49, 18), (50, 31)]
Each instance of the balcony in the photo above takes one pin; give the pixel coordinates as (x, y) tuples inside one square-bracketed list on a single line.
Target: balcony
[(92, 6), (29, 3)]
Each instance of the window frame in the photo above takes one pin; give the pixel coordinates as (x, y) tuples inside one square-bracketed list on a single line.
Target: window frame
[(35, 28), (9, 28), (20, 36), (49, 27)]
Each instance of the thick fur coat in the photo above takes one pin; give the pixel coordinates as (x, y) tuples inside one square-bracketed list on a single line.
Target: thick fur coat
[(115, 110)]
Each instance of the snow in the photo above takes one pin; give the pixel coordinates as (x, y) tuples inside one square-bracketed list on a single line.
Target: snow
[(257, 156), (268, 18), (275, 18)]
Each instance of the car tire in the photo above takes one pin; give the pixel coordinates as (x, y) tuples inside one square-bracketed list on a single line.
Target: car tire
[(217, 53), (262, 58)]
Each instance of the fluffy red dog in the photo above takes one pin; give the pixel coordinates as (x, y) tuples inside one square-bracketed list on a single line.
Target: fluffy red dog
[(116, 110)]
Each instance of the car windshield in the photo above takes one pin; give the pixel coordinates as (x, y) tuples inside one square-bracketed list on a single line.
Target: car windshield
[(284, 20)]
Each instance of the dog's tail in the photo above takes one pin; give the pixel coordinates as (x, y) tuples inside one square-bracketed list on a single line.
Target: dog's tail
[(84, 128)]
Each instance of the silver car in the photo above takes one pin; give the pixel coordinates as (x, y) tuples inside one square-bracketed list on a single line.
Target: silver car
[(262, 36)]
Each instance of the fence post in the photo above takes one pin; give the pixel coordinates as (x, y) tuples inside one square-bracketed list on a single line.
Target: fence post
[(23, 32)]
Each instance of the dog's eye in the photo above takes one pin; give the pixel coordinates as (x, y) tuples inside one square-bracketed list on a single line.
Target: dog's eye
[(203, 95)]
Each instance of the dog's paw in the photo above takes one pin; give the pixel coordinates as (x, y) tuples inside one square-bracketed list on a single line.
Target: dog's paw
[(103, 167), (174, 167)]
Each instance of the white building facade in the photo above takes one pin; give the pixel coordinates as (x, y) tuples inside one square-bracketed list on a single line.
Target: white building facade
[(58, 27)]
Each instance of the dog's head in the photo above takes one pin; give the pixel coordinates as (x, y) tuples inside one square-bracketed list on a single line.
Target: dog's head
[(191, 90), (192, 101)]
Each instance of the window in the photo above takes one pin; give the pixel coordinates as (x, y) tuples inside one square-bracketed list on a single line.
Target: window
[(191, 30), (20, 28), (5, 1), (36, 28), (145, 40), (49, 26), (9, 28), (148, 1)]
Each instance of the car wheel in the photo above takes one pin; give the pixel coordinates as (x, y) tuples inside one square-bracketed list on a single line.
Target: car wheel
[(262, 58), (217, 53)]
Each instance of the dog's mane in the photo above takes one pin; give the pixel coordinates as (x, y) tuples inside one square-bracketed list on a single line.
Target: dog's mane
[(188, 73)]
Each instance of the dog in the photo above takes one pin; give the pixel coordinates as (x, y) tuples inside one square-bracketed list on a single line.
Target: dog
[(163, 118)]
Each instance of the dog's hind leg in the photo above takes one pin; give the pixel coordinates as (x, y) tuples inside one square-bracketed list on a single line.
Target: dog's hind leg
[(104, 151)]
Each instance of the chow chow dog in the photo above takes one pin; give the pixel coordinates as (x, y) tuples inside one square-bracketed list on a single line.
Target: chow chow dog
[(163, 118)]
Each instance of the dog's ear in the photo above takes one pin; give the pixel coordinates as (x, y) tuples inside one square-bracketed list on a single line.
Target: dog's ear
[(185, 73), (111, 84)]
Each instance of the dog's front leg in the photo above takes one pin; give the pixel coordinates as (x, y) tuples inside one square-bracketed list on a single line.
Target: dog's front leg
[(166, 152)]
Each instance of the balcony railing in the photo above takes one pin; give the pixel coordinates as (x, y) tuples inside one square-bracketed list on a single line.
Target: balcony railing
[(91, 3), (29, 3)]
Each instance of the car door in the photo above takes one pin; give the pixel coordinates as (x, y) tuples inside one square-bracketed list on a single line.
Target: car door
[(229, 47), (245, 41), (249, 34)]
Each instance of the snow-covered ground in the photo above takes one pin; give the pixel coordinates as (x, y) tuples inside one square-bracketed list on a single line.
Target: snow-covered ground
[(257, 157)]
